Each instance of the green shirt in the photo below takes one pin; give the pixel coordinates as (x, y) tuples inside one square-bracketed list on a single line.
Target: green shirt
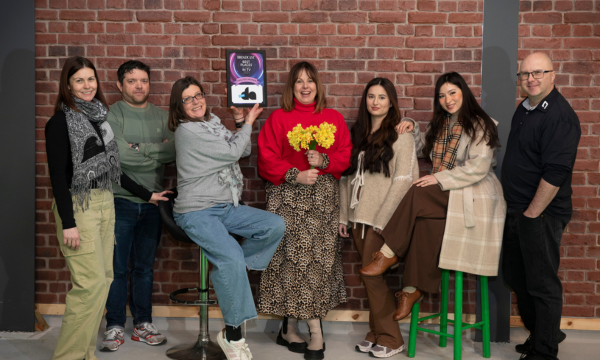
[(149, 127)]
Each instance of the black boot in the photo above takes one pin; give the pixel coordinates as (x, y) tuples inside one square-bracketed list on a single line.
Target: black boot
[(315, 327), (292, 346)]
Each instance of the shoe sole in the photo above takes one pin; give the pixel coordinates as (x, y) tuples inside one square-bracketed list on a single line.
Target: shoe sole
[(107, 349), (283, 342), (360, 349), (142, 340), (387, 356), (520, 348), (418, 301)]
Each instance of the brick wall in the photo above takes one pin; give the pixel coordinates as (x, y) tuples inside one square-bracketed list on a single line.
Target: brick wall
[(350, 42)]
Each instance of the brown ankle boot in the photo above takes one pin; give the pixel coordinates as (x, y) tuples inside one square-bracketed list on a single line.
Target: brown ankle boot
[(406, 302), (379, 265)]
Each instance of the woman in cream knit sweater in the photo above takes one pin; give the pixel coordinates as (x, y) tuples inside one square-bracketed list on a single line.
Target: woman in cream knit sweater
[(383, 168)]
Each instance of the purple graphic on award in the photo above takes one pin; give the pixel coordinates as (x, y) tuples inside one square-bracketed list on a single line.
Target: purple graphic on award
[(246, 77)]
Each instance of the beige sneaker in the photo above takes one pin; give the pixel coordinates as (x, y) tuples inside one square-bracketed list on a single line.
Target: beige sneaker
[(234, 350)]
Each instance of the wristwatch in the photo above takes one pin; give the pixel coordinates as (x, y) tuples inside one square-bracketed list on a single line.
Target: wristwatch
[(135, 147)]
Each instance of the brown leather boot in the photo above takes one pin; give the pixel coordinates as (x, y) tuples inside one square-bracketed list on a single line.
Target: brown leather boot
[(406, 302), (379, 265)]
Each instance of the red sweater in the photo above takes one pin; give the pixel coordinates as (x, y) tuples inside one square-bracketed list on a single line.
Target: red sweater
[(276, 156)]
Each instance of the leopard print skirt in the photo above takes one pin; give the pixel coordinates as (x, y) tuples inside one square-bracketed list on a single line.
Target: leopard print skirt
[(305, 278)]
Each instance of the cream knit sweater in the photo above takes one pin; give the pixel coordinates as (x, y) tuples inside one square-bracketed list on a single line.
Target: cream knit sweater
[(380, 195)]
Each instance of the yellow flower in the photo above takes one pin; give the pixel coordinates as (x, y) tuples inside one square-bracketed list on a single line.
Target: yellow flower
[(300, 138)]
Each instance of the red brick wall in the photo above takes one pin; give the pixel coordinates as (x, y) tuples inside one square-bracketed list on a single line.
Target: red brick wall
[(350, 42), (569, 32)]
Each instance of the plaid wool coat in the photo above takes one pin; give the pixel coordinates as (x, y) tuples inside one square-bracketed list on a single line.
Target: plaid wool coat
[(476, 208)]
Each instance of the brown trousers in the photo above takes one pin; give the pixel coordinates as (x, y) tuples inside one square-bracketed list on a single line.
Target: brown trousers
[(383, 329), (415, 232)]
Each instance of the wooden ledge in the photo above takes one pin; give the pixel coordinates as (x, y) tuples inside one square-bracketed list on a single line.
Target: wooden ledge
[(178, 311)]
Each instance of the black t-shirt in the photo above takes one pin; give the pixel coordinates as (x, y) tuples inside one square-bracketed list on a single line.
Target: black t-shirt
[(60, 166), (542, 145)]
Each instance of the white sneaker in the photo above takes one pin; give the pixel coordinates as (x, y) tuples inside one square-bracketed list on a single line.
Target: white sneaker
[(113, 338), (234, 350), (147, 333), (379, 351), (364, 346)]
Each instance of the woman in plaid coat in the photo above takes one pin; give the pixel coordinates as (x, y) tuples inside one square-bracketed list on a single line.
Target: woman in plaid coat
[(454, 218)]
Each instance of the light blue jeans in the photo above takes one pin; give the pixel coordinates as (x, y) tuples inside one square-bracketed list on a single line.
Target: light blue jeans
[(210, 229)]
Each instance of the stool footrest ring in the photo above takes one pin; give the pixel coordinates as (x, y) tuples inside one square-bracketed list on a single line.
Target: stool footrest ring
[(173, 297)]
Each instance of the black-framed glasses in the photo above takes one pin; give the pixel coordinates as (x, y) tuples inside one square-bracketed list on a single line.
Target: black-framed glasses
[(189, 99), (537, 74)]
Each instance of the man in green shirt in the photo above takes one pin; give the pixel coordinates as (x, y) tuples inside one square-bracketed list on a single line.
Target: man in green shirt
[(145, 146)]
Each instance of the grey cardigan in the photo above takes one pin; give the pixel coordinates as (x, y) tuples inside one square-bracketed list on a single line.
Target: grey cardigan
[(200, 156)]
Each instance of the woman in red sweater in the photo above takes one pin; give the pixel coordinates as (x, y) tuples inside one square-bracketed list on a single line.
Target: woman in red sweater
[(305, 278)]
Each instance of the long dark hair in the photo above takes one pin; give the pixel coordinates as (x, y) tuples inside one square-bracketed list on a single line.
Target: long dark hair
[(177, 114), (70, 67), (471, 114), (287, 100), (378, 147)]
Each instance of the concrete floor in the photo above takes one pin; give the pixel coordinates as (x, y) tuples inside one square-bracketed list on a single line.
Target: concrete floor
[(339, 336)]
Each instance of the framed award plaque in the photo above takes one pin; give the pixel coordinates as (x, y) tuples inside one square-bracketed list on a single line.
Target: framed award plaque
[(246, 78)]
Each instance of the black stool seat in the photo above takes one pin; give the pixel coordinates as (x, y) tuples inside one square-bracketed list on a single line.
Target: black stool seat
[(203, 348), (165, 209)]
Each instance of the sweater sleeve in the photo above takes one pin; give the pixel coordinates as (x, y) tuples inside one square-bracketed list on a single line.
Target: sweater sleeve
[(59, 163), (476, 167), (344, 206), (558, 146), (163, 152), (202, 145), (402, 179), (418, 137), (137, 190), (271, 165), (339, 159), (130, 158)]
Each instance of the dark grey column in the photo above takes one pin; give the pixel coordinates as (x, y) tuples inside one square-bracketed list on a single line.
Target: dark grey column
[(17, 164), (498, 94)]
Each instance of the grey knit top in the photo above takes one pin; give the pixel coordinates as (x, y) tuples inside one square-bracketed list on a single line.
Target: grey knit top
[(200, 155)]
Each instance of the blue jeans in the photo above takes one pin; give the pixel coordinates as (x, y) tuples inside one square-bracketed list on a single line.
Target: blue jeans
[(137, 232), (530, 264), (210, 229)]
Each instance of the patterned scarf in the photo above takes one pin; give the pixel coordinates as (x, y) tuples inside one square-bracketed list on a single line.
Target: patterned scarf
[(446, 147), (91, 169), (231, 175)]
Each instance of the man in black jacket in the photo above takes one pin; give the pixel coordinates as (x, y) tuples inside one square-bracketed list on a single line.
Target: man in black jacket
[(536, 178)]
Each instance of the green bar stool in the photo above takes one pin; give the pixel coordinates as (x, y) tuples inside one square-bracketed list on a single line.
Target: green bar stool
[(459, 326)]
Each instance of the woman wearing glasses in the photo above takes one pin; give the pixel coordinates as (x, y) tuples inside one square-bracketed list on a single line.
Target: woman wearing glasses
[(454, 218), (210, 184)]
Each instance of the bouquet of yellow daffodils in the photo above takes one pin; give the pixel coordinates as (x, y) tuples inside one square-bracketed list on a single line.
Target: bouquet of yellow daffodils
[(308, 138)]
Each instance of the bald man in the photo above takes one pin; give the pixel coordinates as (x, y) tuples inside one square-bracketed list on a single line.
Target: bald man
[(536, 178)]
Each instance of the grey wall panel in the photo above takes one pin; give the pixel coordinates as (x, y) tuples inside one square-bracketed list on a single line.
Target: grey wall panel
[(498, 94), (17, 164)]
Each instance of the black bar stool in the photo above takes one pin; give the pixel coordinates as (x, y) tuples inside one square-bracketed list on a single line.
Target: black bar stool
[(203, 348)]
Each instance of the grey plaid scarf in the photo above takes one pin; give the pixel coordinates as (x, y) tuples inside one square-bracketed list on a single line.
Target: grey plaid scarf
[(92, 169)]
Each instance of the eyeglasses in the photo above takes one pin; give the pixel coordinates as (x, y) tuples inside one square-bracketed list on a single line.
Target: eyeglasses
[(538, 74), (189, 99)]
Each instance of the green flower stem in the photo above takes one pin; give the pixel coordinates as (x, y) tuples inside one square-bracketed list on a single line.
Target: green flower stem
[(312, 146)]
